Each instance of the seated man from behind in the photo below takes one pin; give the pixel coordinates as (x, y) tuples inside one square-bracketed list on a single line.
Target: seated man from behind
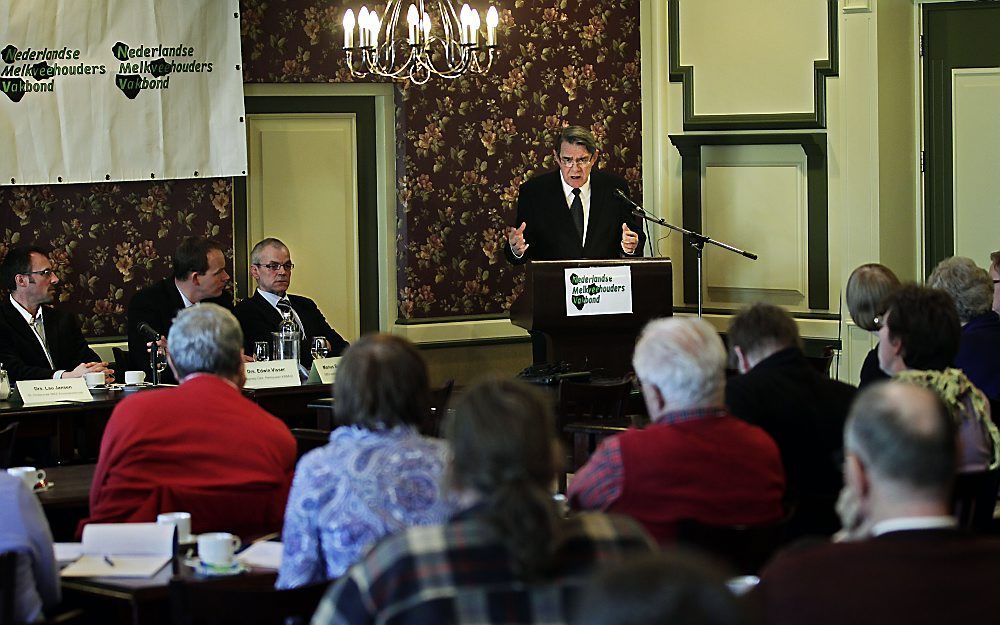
[(508, 556), (24, 531), (199, 275), (376, 476), (979, 348), (906, 563), (802, 409), (271, 266), (201, 447), (695, 460), (37, 341)]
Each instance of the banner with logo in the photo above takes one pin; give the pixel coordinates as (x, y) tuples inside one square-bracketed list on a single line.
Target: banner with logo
[(114, 90), (598, 291)]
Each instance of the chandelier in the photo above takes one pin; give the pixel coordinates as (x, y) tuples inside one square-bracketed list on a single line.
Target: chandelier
[(434, 41)]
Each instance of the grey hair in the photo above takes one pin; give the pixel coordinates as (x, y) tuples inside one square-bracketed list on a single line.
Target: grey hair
[(685, 358), (904, 434), (578, 135), (262, 245), (206, 338), (968, 284)]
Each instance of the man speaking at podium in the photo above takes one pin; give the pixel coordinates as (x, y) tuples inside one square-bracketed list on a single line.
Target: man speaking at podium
[(574, 213)]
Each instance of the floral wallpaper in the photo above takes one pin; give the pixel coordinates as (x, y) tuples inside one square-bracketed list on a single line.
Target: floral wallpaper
[(463, 147), (109, 240)]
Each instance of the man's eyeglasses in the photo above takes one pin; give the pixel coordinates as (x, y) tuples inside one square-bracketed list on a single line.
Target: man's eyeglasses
[(40, 272), (569, 161), (996, 282), (275, 266)]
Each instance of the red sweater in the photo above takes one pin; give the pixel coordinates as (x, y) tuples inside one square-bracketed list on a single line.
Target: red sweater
[(202, 448), (718, 470)]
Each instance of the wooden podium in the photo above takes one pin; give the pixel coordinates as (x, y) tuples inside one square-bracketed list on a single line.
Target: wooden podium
[(592, 341)]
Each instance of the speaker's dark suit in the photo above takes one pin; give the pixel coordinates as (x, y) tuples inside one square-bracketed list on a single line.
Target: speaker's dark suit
[(259, 319), (550, 232), (21, 353), (917, 577), (157, 305)]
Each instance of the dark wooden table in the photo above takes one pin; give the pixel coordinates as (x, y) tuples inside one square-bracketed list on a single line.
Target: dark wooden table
[(68, 501)]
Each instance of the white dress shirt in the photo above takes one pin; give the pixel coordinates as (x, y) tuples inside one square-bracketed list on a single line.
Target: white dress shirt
[(913, 523), (584, 197)]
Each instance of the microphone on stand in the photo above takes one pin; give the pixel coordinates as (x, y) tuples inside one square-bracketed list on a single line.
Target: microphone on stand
[(638, 211), (153, 336)]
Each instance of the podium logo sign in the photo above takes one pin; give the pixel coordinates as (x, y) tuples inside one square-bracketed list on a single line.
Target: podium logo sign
[(598, 291)]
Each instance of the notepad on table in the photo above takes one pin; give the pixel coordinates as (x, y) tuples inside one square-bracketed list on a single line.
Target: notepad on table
[(123, 550)]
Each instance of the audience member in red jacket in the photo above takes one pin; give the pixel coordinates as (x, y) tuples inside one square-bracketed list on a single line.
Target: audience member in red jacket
[(201, 447), (695, 461)]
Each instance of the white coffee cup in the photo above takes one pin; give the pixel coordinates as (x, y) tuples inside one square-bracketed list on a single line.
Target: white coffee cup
[(181, 520), (94, 379), (218, 549), (29, 475), (135, 377)]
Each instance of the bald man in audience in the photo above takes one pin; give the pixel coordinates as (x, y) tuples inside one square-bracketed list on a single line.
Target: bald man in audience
[(801, 408), (904, 561), (695, 460)]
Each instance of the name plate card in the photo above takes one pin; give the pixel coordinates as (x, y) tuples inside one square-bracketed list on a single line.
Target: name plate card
[(272, 374), (40, 392), (323, 370), (598, 291)]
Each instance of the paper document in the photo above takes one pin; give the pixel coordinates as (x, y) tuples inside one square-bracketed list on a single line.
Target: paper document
[(123, 550), (115, 566), (264, 554), (67, 552)]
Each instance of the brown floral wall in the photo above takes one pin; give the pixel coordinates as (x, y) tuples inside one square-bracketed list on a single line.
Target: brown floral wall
[(463, 147)]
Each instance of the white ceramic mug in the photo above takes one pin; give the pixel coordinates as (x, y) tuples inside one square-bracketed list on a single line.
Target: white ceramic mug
[(29, 475), (94, 379), (135, 377), (218, 549), (181, 520)]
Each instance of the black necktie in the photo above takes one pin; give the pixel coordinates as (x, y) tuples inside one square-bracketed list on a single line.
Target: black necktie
[(576, 210), (285, 308)]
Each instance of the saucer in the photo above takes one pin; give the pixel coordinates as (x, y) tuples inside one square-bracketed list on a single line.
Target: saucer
[(208, 570)]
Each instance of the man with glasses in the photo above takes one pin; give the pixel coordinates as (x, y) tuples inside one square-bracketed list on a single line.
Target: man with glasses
[(575, 212), (38, 341), (199, 275), (271, 267)]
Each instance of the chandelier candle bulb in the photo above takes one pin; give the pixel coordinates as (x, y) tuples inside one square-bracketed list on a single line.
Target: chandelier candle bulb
[(374, 24), (426, 25), (411, 20), (349, 29), (492, 20), (465, 19), (474, 30), (363, 26)]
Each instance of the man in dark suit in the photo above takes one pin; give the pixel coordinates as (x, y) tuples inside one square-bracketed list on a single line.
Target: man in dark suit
[(903, 560), (271, 266), (37, 341), (199, 275), (574, 213), (803, 411)]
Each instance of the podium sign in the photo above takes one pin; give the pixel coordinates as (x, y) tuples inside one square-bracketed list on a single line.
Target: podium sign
[(598, 291)]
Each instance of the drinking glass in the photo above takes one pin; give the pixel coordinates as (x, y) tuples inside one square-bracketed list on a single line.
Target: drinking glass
[(261, 351), (320, 347), (161, 360)]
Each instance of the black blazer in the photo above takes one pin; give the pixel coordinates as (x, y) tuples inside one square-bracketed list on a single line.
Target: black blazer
[(259, 319), (22, 354), (157, 305), (550, 232)]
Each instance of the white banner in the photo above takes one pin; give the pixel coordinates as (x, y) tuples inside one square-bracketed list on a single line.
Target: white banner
[(598, 291), (114, 90)]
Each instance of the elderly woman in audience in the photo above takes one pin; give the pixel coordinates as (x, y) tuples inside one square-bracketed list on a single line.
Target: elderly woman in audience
[(25, 532), (918, 341), (979, 350), (376, 476), (507, 557), (867, 289)]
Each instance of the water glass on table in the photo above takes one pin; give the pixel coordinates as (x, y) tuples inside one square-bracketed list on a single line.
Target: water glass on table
[(320, 347)]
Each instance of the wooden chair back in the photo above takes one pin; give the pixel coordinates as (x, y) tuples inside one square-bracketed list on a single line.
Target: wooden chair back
[(439, 408), (307, 439), (7, 436), (243, 600), (589, 413), (746, 548), (974, 499), (122, 363)]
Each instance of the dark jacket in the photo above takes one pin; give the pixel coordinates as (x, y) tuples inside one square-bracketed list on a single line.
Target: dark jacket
[(21, 353), (259, 319)]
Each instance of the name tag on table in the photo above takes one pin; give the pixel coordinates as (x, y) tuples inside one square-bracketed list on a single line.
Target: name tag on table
[(598, 291), (42, 392), (272, 374), (323, 371)]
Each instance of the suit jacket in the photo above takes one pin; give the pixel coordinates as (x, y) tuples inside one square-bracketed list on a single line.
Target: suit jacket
[(259, 319), (978, 353), (21, 353), (550, 232), (157, 305), (917, 577), (804, 412)]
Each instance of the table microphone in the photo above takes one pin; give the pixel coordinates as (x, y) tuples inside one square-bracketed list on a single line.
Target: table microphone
[(148, 331)]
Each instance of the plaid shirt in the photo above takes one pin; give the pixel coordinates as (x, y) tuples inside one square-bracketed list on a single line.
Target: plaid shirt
[(598, 484), (461, 574)]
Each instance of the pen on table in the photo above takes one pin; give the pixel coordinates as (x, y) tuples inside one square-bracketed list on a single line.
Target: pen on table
[(108, 561)]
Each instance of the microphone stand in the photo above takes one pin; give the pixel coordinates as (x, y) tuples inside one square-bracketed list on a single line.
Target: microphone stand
[(694, 239), (153, 358)]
